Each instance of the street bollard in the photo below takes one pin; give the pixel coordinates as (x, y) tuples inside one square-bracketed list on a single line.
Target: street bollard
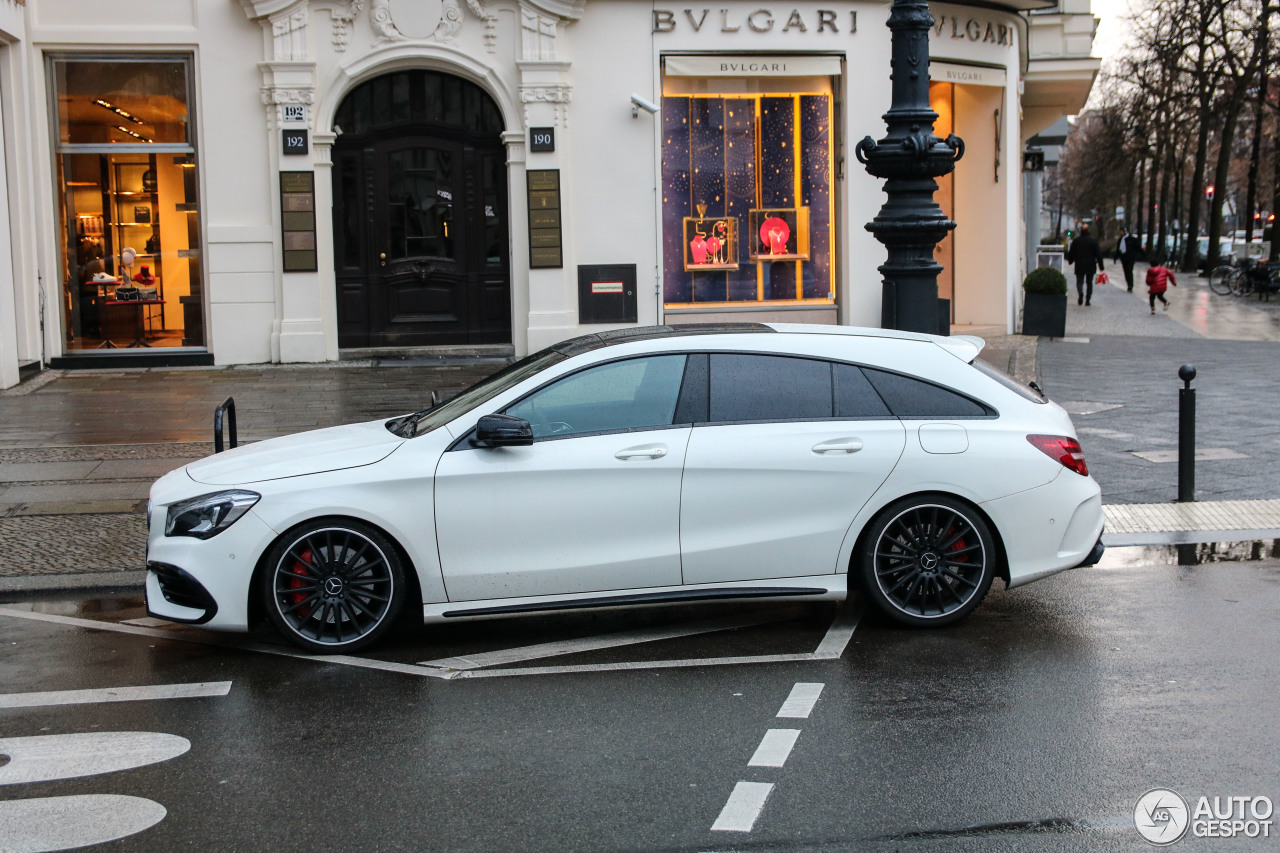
[(1186, 435)]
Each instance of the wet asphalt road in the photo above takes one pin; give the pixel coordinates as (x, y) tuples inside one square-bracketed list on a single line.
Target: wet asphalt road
[(1034, 725)]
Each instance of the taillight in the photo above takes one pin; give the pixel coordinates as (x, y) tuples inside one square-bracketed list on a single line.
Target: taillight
[(1061, 449)]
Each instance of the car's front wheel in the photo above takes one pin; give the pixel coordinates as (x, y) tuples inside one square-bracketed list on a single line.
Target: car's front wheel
[(927, 560), (333, 586)]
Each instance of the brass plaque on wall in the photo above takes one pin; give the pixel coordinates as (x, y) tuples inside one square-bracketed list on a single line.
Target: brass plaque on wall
[(298, 221), (545, 240)]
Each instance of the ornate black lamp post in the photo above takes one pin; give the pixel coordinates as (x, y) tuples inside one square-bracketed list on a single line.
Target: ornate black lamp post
[(910, 157)]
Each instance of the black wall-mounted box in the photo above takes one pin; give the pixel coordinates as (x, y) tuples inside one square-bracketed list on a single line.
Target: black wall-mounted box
[(607, 293)]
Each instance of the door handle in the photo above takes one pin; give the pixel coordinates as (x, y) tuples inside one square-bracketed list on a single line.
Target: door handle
[(839, 445), (382, 259), (641, 453)]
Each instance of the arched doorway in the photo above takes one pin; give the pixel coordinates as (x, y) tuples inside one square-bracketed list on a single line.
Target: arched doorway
[(420, 214)]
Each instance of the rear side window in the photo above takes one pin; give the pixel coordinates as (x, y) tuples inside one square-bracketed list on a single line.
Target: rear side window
[(914, 398), (854, 397), (769, 388)]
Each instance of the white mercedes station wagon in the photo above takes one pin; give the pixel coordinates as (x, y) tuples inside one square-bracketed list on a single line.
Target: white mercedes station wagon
[(647, 466)]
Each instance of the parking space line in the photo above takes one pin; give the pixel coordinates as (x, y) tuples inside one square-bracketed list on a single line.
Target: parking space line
[(115, 694), (799, 703), (840, 632), (602, 641), (744, 806), (640, 664), (832, 647), (206, 640), (774, 748)]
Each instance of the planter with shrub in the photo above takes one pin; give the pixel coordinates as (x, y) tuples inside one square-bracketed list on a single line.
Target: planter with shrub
[(1044, 312)]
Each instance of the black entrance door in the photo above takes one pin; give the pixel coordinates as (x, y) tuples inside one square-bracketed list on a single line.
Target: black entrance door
[(420, 203)]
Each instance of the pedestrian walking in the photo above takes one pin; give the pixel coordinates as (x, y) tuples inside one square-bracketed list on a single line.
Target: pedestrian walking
[(1158, 279), (1085, 255), (1128, 252)]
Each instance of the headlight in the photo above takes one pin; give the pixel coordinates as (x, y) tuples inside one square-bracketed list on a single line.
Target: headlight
[(208, 515)]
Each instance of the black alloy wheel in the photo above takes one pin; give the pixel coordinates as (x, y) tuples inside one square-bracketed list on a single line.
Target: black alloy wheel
[(333, 586), (928, 561)]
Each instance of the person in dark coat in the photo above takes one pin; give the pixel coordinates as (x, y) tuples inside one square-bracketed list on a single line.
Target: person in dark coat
[(1128, 252), (1085, 255)]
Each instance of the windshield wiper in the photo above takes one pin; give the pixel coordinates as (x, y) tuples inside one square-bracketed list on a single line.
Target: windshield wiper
[(406, 426)]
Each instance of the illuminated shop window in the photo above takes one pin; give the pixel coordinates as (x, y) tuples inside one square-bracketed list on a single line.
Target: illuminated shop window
[(126, 170), (747, 192)]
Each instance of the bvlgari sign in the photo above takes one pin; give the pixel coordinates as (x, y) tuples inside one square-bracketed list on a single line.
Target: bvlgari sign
[(756, 21)]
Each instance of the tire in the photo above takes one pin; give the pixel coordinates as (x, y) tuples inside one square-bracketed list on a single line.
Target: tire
[(1221, 280), (333, 586), (927, 560)]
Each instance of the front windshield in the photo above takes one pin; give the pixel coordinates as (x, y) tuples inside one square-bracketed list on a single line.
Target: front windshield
[(486, 389)]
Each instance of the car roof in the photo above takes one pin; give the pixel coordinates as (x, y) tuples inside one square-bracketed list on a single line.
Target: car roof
[(964, 347)]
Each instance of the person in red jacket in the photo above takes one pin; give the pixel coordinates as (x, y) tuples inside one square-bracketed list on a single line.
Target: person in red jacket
[(1158, 279)]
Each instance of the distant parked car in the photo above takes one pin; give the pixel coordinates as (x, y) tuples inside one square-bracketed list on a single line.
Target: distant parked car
[(646, 466), (1226, 251)]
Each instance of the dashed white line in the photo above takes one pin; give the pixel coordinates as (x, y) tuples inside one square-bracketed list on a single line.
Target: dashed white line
[(744, 806), (774, 748), (115, 694), (799, 704)]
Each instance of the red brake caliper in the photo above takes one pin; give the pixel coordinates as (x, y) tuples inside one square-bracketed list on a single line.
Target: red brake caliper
[(300, 568)]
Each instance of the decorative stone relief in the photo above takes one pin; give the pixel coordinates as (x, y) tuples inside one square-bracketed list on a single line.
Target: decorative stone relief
[(276, 97), (435, 20), (289, 36), (342, 24), (538, 35), (558, 94)]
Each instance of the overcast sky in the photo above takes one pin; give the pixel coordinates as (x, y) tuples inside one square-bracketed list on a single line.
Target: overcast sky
[(1112, 30)]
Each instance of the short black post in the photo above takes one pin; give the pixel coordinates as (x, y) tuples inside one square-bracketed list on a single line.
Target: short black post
[(1186, 435)]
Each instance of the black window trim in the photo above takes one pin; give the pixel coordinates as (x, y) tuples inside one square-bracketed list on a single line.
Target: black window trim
[(463, 442), (992, 412)]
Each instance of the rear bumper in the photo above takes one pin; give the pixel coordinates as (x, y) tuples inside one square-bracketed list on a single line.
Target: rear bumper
[(1094, 556), (1051, 528)]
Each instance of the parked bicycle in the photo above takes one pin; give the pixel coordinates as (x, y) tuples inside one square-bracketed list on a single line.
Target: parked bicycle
[(1244, 277)]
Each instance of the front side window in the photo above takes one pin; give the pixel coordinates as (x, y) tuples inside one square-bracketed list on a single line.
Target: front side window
[(128, 204), (636, 393)]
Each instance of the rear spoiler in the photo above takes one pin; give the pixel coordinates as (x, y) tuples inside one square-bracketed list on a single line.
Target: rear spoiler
[(963, 347)]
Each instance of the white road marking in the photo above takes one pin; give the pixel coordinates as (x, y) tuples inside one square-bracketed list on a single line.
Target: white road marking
[(115, 694), (47, 757), (831, 648), (603, 641), (228, 643), (840, 632), (62, 823), (740, 812), (774, 748), (799, 703), (625, 665)]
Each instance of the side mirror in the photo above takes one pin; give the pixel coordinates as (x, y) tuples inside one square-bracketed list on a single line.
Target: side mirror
[(502, 431)]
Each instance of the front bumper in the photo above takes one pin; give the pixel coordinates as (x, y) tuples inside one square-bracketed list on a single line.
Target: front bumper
[(205, 581)]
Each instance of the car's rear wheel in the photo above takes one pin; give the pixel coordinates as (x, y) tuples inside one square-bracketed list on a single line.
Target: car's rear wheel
[(927, 560), (333, 586)]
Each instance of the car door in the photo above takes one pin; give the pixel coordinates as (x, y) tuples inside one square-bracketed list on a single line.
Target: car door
[(791, 449), (591, 505)]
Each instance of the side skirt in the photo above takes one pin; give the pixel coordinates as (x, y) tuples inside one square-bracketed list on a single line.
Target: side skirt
[(821, 588)]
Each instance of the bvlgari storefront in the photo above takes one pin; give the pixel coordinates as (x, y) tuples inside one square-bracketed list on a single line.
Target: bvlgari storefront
[(299, 180)]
